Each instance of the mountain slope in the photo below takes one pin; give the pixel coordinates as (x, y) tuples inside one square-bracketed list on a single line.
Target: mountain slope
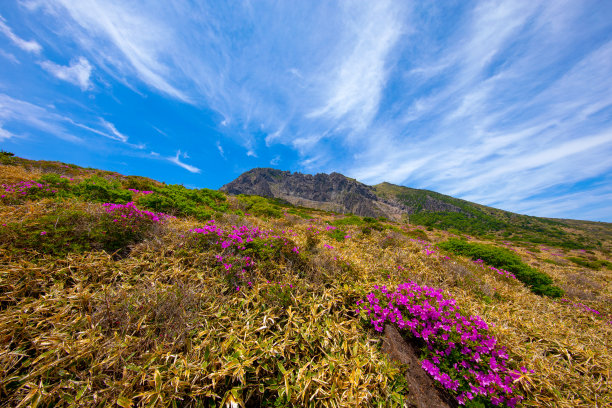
[(122, 291), (335, 192)]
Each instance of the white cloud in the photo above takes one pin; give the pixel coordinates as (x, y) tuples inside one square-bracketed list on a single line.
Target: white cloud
[(77, 73), (176, 160), (507, 120), (44, 119), (220, 149), (275, 160), (5, 134), (357, 81), (115, 134), (9, 57), (29, 46), (35, 117), (139, 39)]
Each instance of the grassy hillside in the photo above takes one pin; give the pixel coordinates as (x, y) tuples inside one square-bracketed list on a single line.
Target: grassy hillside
[(475, 219), (122, 291)]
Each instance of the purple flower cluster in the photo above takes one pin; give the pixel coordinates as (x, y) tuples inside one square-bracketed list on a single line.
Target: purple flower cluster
[(502, 272), (23, 188), (235, 238), (127, 214), (581, 306), (428, 249), (133, 190), (231, 244), (460, 355)]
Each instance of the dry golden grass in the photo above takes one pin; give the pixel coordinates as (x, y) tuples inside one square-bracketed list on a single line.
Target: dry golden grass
[(15, 174), (569, 348), (161, 326)]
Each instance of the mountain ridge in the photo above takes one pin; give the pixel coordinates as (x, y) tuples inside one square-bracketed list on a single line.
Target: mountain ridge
[(338, 193)]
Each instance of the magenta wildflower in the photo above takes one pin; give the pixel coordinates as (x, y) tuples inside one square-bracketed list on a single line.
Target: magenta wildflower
[(460, 355)]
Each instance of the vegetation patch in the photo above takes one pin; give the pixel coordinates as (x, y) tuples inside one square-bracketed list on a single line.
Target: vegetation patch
[(76, 228), (539, 282), (592, 264), (260, 206), (458, 352), (179, 200)]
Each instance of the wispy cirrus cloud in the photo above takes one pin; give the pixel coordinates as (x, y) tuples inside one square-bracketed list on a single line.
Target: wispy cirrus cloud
[(220, 149), (130, 39), (354, 88), (177, 160), (245, 78), (35, 117), (501, 122), (44, 119), (5, 134), (504, 103), (26, 45), (114, 132)]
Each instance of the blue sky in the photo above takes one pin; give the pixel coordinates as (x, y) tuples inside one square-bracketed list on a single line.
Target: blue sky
[(508, 104)]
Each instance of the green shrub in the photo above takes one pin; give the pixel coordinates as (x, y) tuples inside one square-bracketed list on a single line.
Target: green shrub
[(539, 282), (179, 200), (358, 221), (100, 190), (260, 206), (337, 234), (299, 213), (596, 264), (138, 183), (417, 233), (7, 158), (72, 229)]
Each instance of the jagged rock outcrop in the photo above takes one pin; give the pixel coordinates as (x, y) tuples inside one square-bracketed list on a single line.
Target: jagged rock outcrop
[(332, 192), (325, 191)]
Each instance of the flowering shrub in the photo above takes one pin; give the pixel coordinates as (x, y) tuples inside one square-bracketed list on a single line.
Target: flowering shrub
[(459, 354), (502, 272), (129, 215), (75, 227), (179, 200), (241, 249), (135, 191), (125, 224), (26, 189)]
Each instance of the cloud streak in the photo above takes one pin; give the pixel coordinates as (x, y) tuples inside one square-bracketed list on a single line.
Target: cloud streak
[(26, 45), (176, 160), (503, 103)]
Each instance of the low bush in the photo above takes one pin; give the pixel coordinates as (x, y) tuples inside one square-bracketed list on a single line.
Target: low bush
[(7, 158), (246, 253), (100, 190), (260, 206), (179, 200), (337, 234), (539, 282), (596, 264), (78, 228)]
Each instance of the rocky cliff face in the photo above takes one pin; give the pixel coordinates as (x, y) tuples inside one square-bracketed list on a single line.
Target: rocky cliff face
[(325, 191), (333, 192)]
